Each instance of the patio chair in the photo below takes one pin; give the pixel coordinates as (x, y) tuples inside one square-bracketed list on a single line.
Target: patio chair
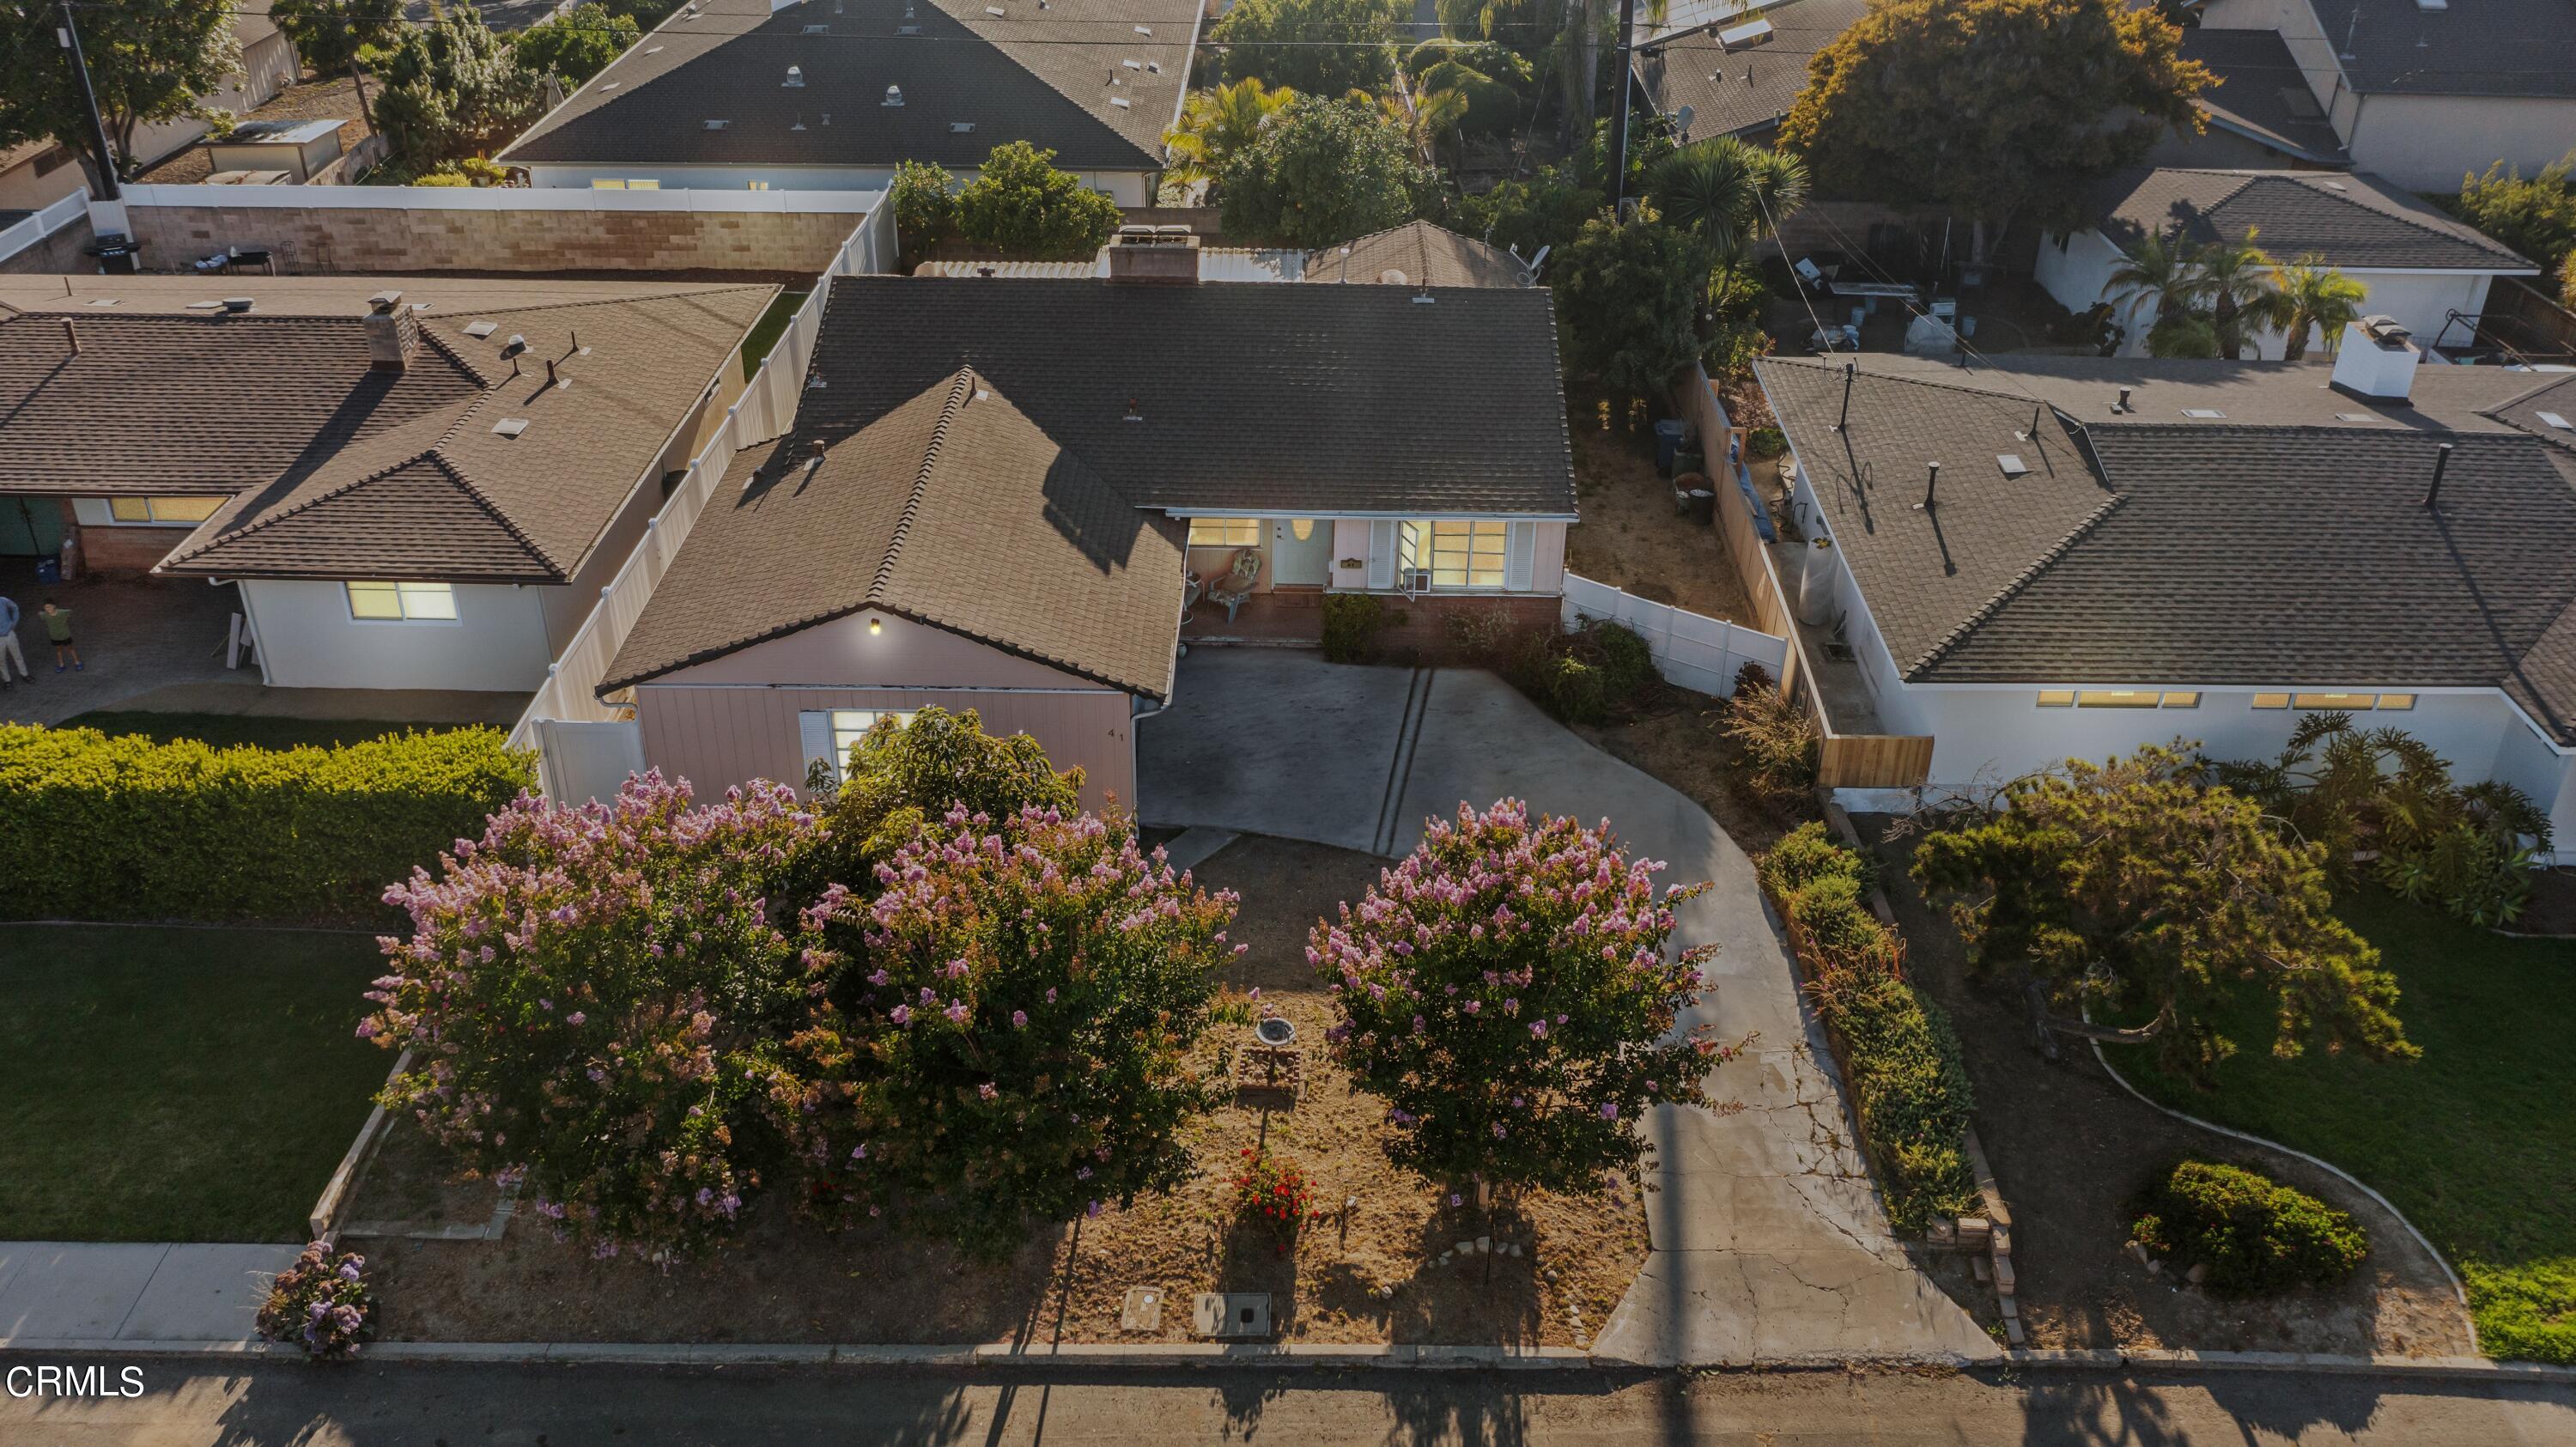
[(1230, 590), (1809, 273)]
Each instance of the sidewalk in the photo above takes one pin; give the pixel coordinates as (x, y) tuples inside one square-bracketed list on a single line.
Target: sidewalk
[(115, 1291)]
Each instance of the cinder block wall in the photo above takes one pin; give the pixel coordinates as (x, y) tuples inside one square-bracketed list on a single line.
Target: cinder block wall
[(366, 240), (57, 255)]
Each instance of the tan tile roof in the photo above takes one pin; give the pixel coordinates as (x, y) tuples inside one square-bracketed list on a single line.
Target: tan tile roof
[(1416, 254), (953, 509)]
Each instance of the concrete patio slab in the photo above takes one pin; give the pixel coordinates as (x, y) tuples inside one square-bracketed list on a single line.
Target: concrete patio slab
[(80, 1289), (1275, 741), (1193, 847), (206, 1293)]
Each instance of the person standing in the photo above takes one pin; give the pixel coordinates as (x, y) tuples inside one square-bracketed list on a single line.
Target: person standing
[(58, 627), (9, 649)]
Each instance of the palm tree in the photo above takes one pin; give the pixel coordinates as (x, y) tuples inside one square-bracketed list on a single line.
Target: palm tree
[(2243, 288), (1425, 116), (2161, 269), (1217, 123), (1730, 193), (2318, 297)]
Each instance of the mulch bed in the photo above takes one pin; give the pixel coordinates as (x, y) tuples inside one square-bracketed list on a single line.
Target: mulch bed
[(787, 1281), (2071, 1150), (2551, 911)]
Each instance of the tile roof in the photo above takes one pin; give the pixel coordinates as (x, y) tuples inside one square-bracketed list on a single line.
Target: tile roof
[(2351, 219), (1417, 254), (2280, 545), (340, 470), (954, 509), (1050, 72), (1247, 395), (2476, 47), (1696, 71), (2258, 91)]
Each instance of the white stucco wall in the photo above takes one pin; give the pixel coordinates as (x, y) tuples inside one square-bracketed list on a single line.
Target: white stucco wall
[(2429, 142), (1127, 188), (497, 641)]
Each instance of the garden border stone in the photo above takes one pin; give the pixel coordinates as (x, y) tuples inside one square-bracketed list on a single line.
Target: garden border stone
[(342, 1188)]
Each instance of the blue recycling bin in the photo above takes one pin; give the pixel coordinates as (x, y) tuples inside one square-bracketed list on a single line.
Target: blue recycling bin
[(49, 570), (1668, 440)]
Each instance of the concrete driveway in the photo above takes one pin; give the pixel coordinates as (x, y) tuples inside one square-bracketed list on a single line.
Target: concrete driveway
[(1769, 1242)]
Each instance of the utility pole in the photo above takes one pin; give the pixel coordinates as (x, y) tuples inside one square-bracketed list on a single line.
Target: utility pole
[(1618, 110), (69, 35)]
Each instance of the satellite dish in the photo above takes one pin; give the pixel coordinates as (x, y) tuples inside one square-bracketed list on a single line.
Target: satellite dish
[(1682, 121)]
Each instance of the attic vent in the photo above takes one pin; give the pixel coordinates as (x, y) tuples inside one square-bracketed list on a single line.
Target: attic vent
[(1391, 277), (612, 85), (1750, 33), (817, 30), (907, 30), (2555, 420), (2012, 464), (1145, 30), (237, 304), (2203, 414), (652, 50), (2432, 4), (2354, 417), (993, 10), (1155, 66), (480, 330), (510, 426), (718, 125), (894, 95), (1133, 64), (207, 305), (961, 128), (1121, 102), (2337, 186), (103, 301), (795, 75)]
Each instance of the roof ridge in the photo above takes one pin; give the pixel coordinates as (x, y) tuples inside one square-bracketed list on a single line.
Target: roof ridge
[(2400, 214), (630, 299), (456, 474), (1958, 634), (958, 391), (1821, 369), (268, 520), (1011, 48)]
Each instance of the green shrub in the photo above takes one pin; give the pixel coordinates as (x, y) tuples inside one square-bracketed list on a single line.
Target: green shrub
[(1352, 623), (1594, 673), (1805, 854), (94, 827), (2253, 1233), (1766, 442), (1912, 1091), (2525, 1312)]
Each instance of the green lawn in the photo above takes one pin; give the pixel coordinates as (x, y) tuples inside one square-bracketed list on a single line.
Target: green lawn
[(225, 729), (177, 1084), (766, 332), (2476, 1142)]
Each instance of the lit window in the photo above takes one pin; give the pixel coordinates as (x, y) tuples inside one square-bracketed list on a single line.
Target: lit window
[(643, 185), (757, 185), (2116, 698), (402, 602), (2339, 701), (1225, 532), (839, 730), (2271, 700), (1457, 552), (2057, 698), (1301, 528), (602, 183), (2183, 699), (162, 509), (2397, 700)]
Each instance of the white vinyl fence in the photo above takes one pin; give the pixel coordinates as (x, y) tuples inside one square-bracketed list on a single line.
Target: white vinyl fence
[(1692, 650), (593, 758), (36, 226)]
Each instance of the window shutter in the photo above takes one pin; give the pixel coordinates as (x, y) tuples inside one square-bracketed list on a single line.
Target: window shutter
[(814, 733), (1381, 560), (1520, 558)]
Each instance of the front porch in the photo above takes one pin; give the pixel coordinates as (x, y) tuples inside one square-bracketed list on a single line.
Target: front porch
[(1283, 617)]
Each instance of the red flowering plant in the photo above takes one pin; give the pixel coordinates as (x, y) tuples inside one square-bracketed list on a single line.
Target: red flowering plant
[(1003, 1035), (1273, 1191), (1506, 990), (595, 999)]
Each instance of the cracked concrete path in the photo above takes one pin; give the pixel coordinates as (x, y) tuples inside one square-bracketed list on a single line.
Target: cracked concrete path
[(1768, 1240)]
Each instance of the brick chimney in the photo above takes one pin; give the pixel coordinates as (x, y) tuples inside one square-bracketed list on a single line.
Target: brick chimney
[(392, 334), (1163, 255)]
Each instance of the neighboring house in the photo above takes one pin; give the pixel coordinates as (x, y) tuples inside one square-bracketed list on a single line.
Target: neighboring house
[(269, 65), (834, 94), (1417, 253), (2425, 269), (35, 175), (996, 494), (2123, 552), (2258, 110), (421, 488), (1736, 67), (2424, 92)]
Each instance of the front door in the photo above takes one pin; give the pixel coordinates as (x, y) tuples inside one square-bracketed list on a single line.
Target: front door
[(1301, 551)]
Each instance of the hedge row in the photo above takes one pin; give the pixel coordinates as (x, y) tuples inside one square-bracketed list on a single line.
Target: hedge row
[(94, 827), (1907, 1078)]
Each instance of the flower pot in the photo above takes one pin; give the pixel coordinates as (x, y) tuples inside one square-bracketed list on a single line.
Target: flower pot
[(1275, 1030)]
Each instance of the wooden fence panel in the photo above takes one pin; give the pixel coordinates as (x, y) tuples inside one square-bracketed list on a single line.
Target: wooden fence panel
[(1874, 761)]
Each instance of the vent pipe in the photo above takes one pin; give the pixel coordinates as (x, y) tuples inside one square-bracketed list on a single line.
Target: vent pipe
[(1931, 488), (2441, 464), (1842, 423), (71, 334), (2123, 404)]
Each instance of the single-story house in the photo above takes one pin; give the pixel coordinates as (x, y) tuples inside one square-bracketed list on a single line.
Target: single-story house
[(2423, 92), (269, 65), (413, 483), (1418, 253), (2045, 557), (2257, 111), (1735, 68), (834, 94), (35, 175), (1022, 496), (2429, 271)]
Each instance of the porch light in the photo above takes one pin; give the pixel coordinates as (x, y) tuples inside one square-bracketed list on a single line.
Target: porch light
[(875, 626)]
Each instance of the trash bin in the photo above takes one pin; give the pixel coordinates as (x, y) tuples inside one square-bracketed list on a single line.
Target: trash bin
[(49, 571), (1668, 440), (1703, 506)]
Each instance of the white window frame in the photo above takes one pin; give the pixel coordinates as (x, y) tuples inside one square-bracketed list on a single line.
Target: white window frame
[(152, 510), (1455, 555), (414, 602), (829, 734)]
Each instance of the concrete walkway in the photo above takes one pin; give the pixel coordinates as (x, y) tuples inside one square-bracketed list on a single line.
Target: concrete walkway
[(1769, 1242), (114, 1291)]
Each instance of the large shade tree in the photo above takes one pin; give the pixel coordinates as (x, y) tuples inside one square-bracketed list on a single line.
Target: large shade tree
[(1996, 109), (1320, 47), (1320, 172), (330, 35), (149, 61)]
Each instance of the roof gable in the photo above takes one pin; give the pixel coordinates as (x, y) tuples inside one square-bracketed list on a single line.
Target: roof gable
[(2350, 219)]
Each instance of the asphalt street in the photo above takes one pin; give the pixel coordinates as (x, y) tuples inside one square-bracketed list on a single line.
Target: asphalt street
[(187, 1405)]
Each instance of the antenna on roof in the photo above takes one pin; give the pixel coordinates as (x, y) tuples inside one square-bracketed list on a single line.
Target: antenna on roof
[(1931, 489), (2033, 434), (1843, 422), (2441, 464)]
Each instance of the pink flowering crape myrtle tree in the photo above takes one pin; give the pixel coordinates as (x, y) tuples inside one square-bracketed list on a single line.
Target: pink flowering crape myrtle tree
[(1505, 990), (596, 999), (1003, 1035)]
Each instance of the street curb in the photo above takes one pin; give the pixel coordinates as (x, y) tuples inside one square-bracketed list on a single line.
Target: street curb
[(2445, 1369)]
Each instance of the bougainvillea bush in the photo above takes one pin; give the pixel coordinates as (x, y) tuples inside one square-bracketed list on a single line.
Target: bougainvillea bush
[(596, 999), (1505, 990), (321, 1303), (1002, 1036)]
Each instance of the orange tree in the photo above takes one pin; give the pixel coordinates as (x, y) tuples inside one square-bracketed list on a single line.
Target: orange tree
[(1505, 989)]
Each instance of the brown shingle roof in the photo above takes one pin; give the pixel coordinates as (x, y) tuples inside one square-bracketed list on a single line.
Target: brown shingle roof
[(1417, 253), (953, 509), (339, 470), (2256, 90), (2350, 219), (1695, 71)]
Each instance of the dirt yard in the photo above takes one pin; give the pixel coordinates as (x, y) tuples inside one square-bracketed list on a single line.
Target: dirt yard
[(2071, 1149), (1630, 537), (1681, 744), (322, 98), (787, 1281)]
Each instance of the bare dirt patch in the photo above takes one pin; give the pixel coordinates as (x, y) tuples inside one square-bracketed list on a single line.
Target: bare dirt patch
[(323, 98), (788, 1281), (1631, 537), (2071, 1150), (2552, 909), (1681, 742)]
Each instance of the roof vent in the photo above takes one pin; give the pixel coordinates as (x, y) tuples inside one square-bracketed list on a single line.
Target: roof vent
[(1144, 30), (817, 30), (2012, 464), (514, 346), (2354, 417), (1392, 277), (961, 128), (718, 125), (209, 304), (652, 50), (894, 95), (993, 10), (795, 76), (1121, 102), (104, 300), (2204, 414), (2377, 358), (1134, 412), (1133, 64), (236, 305), (510, 426), (2553, 419), (907, 30)]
